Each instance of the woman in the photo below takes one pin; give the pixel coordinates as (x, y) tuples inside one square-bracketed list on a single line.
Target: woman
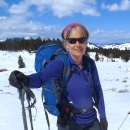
[(79, 88)]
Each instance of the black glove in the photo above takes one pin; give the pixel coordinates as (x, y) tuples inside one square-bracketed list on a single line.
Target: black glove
[(103, 123), (16, 79)]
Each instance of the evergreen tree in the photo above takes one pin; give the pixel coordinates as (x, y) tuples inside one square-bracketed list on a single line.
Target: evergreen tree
[(111, 56), (20, 62), (87, 52), (96, 57), (126, 57)]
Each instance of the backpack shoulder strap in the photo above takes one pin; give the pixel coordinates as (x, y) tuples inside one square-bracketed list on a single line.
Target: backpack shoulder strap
[(88, 67), (89, 70), (67, 69)]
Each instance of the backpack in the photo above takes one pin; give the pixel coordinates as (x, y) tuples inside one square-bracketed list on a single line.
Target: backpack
[(50, 92)]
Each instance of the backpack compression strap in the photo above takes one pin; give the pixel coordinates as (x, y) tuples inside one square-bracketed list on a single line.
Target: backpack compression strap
[(47, 118)]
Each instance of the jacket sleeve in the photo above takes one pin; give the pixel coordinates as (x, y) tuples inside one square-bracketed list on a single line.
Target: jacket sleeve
[(98, 91), (53, 71)]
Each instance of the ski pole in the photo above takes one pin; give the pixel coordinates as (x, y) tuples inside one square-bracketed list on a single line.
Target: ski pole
[(21, 96), (29, 95), (123, 120), (29, 110)]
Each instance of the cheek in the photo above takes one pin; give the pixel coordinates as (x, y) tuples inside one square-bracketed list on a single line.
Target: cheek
[(84, 46)]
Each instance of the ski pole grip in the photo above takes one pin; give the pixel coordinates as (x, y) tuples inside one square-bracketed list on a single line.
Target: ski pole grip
[(21, 92)]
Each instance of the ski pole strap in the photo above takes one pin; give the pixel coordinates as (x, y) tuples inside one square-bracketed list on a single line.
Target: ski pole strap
[(29, 94)]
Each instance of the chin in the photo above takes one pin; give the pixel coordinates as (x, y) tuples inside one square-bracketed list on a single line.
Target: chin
[(79, 54)]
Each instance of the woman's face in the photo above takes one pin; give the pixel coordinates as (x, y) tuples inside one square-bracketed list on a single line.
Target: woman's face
[(76, 50)]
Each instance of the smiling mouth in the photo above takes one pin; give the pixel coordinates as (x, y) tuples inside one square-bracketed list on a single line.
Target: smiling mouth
[(78, 49)]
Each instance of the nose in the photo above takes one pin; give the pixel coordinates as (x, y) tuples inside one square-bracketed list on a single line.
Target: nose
[(77, 43)]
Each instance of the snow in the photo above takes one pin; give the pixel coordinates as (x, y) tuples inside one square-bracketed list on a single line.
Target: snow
[(122, 46), (114, 77), (91, 45)]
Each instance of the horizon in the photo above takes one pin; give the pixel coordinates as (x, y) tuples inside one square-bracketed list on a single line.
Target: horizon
[(106, 21), (95, 44)]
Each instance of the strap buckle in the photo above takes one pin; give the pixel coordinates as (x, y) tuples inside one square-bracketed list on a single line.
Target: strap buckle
[(83, 110)]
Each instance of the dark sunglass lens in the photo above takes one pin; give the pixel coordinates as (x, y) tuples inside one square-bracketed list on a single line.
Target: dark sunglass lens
[(72, 40), (82, 39)]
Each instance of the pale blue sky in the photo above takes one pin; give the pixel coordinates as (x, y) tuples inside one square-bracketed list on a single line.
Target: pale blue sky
[(108, 21)]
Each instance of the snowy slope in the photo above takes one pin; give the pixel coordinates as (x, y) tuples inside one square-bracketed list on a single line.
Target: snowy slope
[(115, 81), (123, 46), (92, 46)]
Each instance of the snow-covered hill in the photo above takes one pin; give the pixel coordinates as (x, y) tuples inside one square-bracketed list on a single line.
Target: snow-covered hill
[(92, 45), (124, 46)]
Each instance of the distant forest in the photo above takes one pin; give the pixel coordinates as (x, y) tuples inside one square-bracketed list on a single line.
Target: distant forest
[(31, 45)]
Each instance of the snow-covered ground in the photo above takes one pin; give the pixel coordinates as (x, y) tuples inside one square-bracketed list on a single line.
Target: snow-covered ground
[(114, 77)]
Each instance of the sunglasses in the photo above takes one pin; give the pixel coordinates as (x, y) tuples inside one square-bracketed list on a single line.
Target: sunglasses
[(74, 40)]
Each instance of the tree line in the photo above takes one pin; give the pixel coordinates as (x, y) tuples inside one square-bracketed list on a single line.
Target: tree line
[(111, 53), (31, 44)]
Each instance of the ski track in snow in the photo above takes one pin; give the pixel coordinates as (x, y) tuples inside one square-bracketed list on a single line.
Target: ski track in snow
[(114, 77)]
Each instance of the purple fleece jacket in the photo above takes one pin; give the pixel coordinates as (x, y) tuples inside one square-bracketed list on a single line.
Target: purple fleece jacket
[(78, 89)]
